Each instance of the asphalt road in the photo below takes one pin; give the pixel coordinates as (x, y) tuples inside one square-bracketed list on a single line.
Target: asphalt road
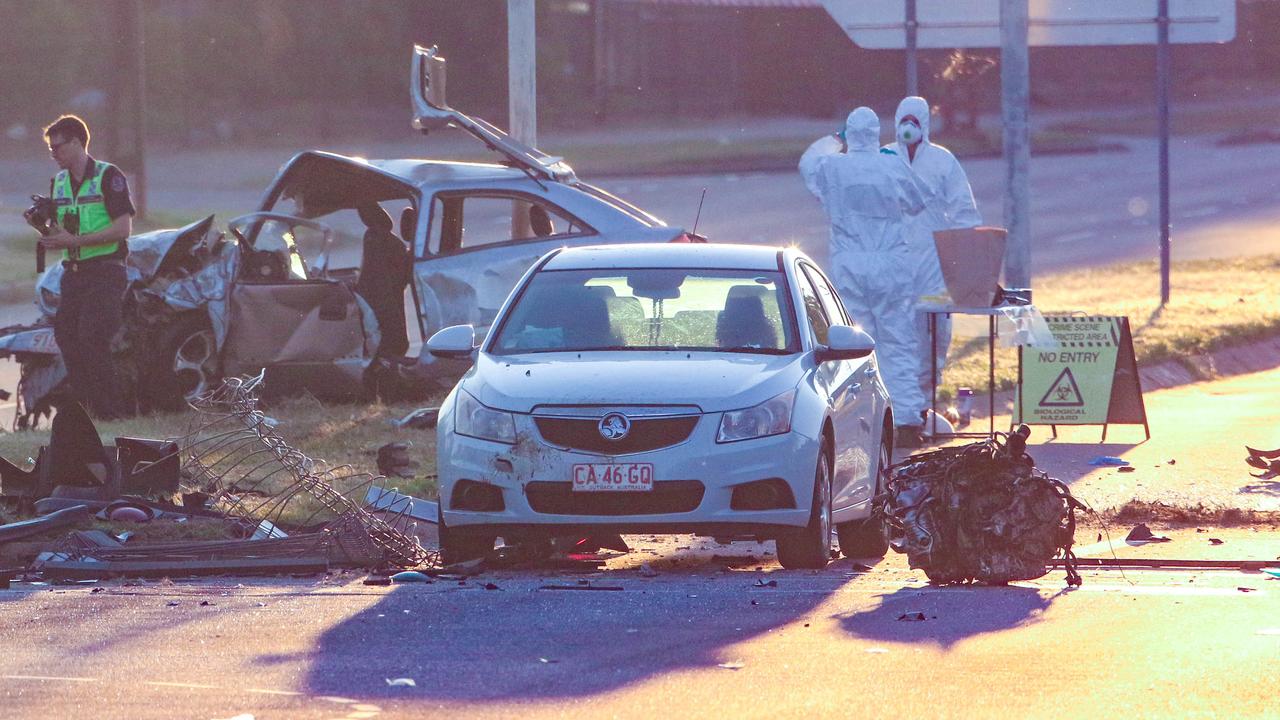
[(1086, 210), (700, 639)]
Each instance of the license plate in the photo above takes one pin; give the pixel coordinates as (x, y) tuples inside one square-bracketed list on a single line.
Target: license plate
[(613, 477)]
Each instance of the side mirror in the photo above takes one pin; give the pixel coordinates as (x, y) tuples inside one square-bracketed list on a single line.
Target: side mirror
[(845, 343), (456, 341)]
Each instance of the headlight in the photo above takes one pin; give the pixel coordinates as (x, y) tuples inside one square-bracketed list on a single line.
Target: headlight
[(475, 420), (771, 417)]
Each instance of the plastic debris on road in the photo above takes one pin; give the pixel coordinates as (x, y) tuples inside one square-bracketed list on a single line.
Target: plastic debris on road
[(1142, 534), (401, 682), (1108, 461)]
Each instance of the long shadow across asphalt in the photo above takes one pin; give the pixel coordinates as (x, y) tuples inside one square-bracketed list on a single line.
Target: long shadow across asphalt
[(946, 616), (519, 641)]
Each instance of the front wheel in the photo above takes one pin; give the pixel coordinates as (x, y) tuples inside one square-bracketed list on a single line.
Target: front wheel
[(810, 548), (869, 538), (185, 365), (461, 544)]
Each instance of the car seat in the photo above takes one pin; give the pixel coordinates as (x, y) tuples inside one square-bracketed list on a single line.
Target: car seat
[(579, 312), (742, 323)]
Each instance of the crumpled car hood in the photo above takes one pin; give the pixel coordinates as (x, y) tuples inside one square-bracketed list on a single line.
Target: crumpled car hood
[(712, 381)]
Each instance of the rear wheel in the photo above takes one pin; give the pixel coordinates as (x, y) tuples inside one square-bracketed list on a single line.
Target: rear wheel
[(811, 547), (869, 538)]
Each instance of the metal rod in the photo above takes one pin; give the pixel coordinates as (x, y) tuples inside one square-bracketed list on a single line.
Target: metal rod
[(1163, 73)]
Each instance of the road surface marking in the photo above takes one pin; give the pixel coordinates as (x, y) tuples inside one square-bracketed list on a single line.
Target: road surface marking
[(336, 699), (191, 686), (48, 677), (1202, 212), (1075, 237), (289, 693)]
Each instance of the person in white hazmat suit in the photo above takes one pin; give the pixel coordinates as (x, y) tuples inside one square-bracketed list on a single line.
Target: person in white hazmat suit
[(940, 170), (868, 196)]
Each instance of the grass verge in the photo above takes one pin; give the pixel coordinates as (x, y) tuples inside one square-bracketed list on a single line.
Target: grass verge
[(1142, 511), (333, 434), (1214, 304)]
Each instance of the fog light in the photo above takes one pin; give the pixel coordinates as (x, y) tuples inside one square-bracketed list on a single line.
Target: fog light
[(476, 497), (771, 494)]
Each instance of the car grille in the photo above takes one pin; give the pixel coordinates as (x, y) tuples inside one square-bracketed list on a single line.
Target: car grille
[(646, 434), (670, 496)]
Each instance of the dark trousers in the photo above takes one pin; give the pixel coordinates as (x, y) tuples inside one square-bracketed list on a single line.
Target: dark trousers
[(89, 315)]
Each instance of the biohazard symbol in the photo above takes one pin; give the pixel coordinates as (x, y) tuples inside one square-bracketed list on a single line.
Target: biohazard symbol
[(1063, 392)]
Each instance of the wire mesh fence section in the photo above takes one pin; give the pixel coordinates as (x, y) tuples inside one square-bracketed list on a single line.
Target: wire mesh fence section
[(232, 453)]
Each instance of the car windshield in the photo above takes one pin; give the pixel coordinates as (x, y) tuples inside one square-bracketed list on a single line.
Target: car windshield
[(742, 311)]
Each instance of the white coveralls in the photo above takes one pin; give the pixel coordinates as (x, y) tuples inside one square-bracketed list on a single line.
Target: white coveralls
[(868, 195), (941, 172)]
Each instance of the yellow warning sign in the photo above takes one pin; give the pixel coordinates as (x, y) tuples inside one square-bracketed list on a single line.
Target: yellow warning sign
[(1071, 385)]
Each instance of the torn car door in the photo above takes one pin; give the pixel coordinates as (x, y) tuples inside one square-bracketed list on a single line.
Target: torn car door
[(306, 330)]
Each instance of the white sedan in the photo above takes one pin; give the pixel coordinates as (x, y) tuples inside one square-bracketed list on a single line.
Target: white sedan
[(719, 390)]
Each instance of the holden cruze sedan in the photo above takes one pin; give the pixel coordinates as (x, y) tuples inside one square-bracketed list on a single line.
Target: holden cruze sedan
[(712, 389)]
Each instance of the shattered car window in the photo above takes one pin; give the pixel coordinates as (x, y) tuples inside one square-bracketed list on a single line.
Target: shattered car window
[(650, 309), (281, 239)]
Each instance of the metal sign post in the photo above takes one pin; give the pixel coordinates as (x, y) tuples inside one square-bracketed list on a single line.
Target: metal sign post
[(1163, 52)]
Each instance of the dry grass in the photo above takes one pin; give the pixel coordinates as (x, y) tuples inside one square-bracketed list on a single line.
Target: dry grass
[(334, 434), (1215, 304), (1142, 511)]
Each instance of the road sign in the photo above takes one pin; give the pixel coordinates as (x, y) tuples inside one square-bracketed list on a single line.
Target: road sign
[(1091, 378), (880, 25)]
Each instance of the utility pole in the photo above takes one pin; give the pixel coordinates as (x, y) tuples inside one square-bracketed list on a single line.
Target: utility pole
[(522, 90), (140, 107), (1015, 87), (910, 25)]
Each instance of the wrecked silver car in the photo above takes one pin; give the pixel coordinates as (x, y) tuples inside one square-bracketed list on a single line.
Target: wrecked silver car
[(306, 287)]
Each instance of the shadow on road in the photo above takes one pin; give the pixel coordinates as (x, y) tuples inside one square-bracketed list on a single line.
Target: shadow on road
[(950, 614), (465, 643), (1262, 487), (1068, 462)]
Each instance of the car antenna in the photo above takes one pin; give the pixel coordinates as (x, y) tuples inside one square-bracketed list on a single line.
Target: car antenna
[(698, 216)]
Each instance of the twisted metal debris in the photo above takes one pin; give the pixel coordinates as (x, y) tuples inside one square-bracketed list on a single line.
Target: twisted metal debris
[(980, 512), (234, 454)]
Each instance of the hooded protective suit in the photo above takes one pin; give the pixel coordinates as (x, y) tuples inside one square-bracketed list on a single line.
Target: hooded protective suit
[(941, 172), (868, 196)]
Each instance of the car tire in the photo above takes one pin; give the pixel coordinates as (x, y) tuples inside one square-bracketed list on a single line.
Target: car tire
[(185, 363), (460, 545), (810, 548), (868, 538)]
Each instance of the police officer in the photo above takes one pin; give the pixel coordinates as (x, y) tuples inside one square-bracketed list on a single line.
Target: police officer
[(95, 218)]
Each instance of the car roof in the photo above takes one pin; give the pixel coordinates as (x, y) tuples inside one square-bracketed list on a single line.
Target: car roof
[(668, 255), (424, 172)]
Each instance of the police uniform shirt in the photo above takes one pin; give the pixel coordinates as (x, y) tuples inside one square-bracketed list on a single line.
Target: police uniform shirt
[(115, 189)]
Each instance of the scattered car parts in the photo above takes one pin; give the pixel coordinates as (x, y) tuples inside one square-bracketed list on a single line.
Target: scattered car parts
[(981, 512)]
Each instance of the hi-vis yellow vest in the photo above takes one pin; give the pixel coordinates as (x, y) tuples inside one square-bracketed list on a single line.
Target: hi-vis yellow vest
[(89, 205)]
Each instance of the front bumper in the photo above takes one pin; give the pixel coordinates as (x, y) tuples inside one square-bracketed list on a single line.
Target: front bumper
[(523, 471)]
